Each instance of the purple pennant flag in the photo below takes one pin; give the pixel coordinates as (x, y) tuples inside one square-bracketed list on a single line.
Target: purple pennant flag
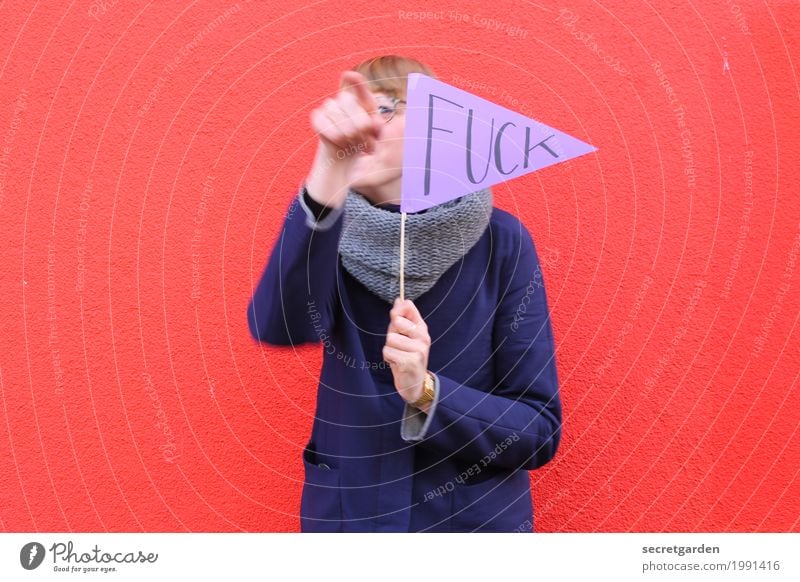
[(456, 143)]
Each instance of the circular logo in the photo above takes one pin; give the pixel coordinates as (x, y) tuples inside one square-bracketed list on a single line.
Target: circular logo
[(31, 555)]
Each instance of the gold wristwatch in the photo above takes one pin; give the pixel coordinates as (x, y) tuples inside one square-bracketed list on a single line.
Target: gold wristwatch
[(428, 391)]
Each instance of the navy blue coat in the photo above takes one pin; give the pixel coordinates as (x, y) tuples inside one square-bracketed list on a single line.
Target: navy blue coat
[(374, 463)]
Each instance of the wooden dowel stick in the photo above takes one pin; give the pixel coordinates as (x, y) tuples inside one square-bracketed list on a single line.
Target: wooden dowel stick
[(402, 253)]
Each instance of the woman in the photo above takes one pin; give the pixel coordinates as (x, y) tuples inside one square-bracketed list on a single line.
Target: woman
[(430, 411)]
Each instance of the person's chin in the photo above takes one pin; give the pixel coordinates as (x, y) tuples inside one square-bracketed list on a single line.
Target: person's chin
[(359, 172), (360, 184), (364, 180), (369, 181)]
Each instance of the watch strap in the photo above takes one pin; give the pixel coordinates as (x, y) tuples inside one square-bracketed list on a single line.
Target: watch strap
[(427, 391)]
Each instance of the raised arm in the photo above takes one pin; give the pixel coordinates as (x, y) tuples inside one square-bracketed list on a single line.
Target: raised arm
[(295, 300)]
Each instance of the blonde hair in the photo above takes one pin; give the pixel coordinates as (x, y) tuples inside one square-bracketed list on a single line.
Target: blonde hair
[(389, 73)]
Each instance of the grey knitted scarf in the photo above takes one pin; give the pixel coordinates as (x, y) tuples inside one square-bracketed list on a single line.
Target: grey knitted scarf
[(435, 239)]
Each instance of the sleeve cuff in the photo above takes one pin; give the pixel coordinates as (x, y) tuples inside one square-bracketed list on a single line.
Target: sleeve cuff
[(327, 222), (415, 423)]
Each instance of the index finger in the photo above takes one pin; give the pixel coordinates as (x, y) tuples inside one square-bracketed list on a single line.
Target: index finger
[(402, 325), (407, 309), (356, 83)]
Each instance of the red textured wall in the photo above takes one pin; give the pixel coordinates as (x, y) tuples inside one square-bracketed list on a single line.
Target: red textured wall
[(149, 151)]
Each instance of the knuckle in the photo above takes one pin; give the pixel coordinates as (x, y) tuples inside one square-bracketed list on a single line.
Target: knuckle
[(362, 123), (331, 132)]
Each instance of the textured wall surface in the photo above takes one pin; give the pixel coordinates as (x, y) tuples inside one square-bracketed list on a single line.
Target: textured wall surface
[(149, 151)]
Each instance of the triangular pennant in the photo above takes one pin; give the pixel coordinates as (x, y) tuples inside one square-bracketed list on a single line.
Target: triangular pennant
[(456, 143)]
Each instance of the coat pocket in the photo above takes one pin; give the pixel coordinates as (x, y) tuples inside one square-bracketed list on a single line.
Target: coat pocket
[(320, 503), (501, 503)]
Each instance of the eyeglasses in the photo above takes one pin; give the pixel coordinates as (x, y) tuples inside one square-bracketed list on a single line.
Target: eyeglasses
[(387, 111)]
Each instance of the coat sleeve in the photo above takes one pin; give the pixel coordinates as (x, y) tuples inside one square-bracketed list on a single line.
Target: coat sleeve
[(295, 300), (518, 423)]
